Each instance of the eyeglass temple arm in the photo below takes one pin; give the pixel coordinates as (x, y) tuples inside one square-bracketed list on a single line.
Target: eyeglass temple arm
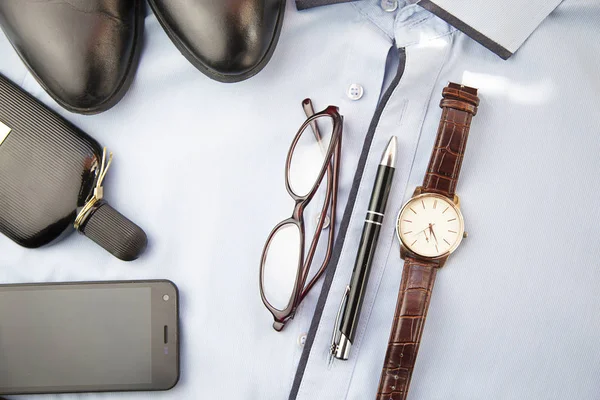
[(331, 199), (310, 111)]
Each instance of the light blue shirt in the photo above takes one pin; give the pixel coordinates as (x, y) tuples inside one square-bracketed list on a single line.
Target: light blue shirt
[(515, 313)]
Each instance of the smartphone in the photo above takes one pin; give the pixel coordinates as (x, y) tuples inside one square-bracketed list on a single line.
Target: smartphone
[(89, 337)]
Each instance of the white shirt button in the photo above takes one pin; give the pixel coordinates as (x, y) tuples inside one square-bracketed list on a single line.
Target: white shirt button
[(389, 5), (302, 340), (355, 91), (326, 223)]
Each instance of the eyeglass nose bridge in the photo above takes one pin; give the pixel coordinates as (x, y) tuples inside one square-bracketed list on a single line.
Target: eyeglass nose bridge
[(299, 207)]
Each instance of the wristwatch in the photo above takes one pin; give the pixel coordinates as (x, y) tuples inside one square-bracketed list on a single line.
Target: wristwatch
[(430, 227)]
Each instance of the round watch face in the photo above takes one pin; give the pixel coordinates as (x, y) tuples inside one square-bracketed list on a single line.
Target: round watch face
[(430, 225)]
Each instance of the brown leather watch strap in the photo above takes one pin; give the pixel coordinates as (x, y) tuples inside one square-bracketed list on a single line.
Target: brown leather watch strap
[(459, 104), (413, 301)]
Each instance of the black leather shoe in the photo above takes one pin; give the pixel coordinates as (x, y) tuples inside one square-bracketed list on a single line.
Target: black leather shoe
[(83, 52), (227, 40)]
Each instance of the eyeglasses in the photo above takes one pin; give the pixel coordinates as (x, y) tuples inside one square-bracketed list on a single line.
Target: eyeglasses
[(285, 265)]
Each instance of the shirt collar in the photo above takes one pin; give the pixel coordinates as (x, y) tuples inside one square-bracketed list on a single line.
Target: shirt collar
[(501, 26)]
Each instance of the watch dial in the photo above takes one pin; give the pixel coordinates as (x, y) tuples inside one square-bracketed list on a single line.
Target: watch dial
[(430, 225)]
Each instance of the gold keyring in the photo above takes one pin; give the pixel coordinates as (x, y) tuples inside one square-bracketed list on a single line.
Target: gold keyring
[(98, 190)]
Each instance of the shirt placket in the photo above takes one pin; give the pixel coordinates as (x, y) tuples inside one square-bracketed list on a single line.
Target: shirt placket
[(358, 83), (425, 41)]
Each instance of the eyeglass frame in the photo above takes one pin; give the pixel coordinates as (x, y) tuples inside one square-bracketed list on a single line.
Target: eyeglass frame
[(331, 166)]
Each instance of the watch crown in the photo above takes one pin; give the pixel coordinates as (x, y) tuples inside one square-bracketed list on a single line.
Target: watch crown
[(465, 234)]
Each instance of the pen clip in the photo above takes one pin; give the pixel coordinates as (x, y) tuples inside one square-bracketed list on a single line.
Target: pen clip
[(335, 337)]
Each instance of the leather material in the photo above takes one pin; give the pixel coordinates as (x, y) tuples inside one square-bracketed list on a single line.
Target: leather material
[(83, 52), (459, 105), (228, 40), (411, 309)]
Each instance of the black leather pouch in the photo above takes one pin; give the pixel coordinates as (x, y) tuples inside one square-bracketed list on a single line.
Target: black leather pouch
[(51, 180)]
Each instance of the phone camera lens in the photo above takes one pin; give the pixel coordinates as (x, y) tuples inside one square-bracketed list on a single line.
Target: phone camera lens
[(166, 297)]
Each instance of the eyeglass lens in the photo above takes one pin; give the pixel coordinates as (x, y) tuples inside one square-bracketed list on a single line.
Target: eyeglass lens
[(309, 155), (281, 265)]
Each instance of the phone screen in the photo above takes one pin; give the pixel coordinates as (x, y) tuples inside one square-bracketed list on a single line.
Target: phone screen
[(81, 337)]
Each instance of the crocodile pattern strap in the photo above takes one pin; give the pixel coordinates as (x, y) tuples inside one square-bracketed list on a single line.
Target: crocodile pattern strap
[(459, 105), (413, 301)]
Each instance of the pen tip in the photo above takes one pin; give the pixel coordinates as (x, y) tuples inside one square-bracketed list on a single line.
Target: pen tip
[(389, 155)]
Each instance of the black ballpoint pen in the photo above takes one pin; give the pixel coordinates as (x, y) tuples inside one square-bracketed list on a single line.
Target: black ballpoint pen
[(349, 311)]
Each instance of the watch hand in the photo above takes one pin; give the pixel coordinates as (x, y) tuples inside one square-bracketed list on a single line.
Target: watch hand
[(422, 230), (431, 232)]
